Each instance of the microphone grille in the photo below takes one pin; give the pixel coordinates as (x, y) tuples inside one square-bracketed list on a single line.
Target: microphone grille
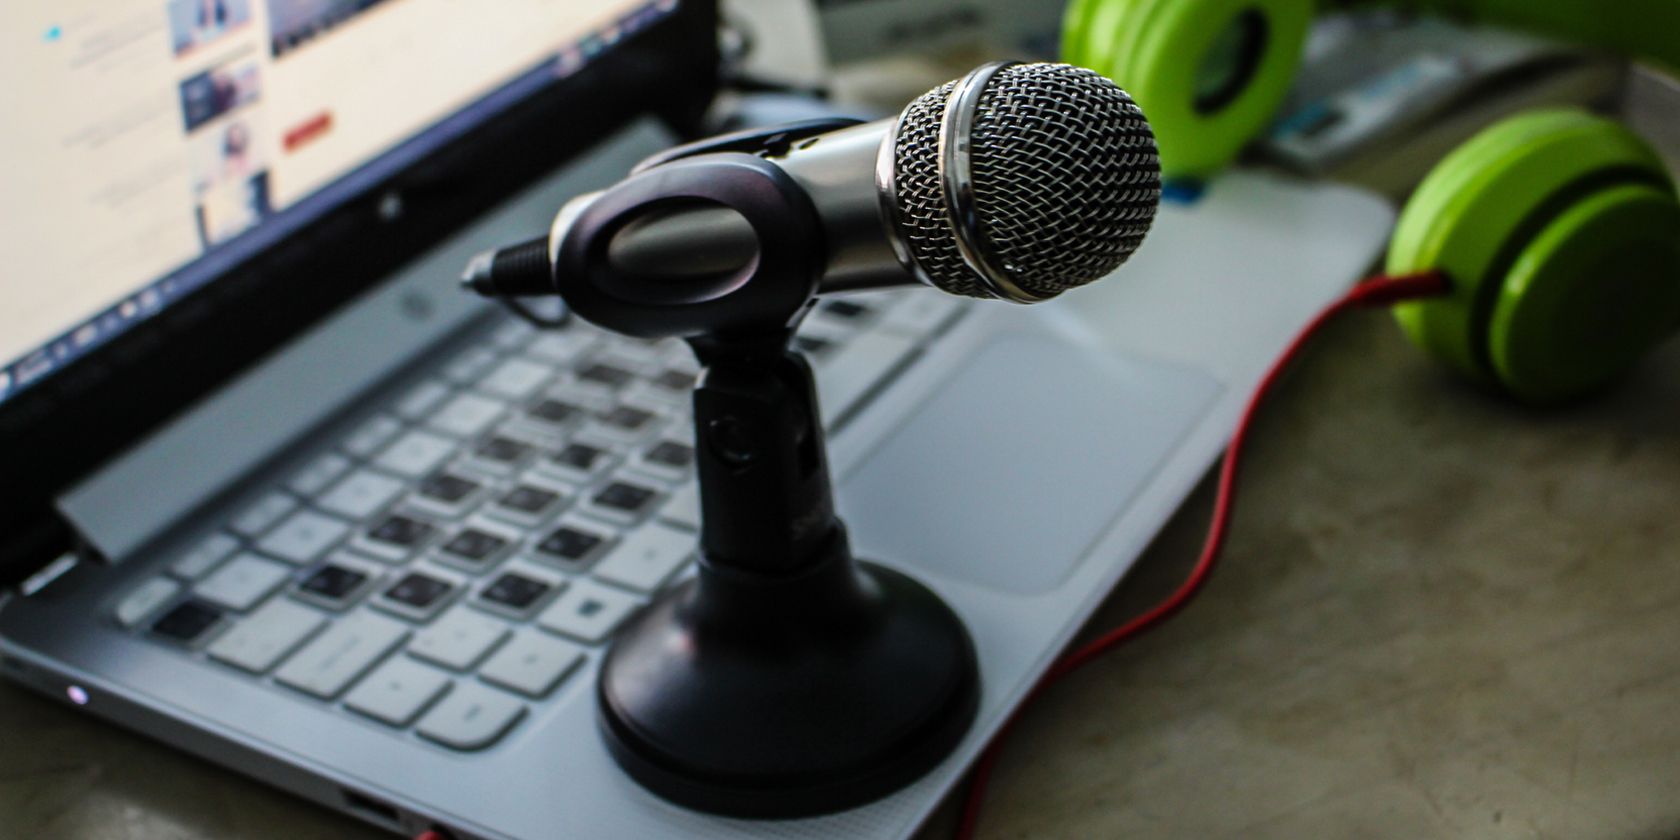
[(1065, 178)]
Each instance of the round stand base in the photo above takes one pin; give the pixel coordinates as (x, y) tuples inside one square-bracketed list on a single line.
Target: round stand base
[(771, 697)]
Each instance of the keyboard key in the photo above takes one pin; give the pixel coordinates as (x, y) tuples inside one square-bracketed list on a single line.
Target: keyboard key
[(262, 514), (471, 717), (527, 504), (374, 433), (146, 598), (669, 460), (415, 453), (858, 370), (623, 501), (572, 545), (396, 537), (647, 558), (531, 663), (397, 691), (474, 549), (421, 399), (204, 556), (303, 537), (417, 595), (846, 309), (459, 639), (628, 420), (243, 581), (605, 375), (588, 611), (189, 622), (466, 415), (318, 473), (335, 584), (515, 593), (675, 380), (327, 665), (447, 493), (266, 636), (578, 461), (559, 345), (499, 453), (360, 494), (469, 365), (683, 510), (552, 411), (516, 379)]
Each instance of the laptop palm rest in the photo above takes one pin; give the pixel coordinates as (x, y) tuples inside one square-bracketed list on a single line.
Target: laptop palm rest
[(1011, 471)]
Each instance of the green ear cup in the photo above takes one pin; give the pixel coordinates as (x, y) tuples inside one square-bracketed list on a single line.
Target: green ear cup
[(1209, 74), (1593, 292), (1478, 212)]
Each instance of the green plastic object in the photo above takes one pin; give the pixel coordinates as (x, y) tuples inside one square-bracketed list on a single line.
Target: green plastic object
[(1209, 74), (1495, 212)]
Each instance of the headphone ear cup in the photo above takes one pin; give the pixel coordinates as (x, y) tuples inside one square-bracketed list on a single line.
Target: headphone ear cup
[(1209, 74), (1541, 204)]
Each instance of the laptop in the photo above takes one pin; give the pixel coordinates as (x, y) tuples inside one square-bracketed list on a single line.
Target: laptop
[(280, 496)]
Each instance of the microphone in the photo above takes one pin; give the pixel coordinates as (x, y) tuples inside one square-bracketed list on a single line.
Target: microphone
[(1015, 182)]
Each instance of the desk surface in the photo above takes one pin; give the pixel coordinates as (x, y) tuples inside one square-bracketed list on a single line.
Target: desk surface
[(1439, 615)]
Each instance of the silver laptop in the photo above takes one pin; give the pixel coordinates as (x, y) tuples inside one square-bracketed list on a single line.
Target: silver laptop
[(277, 494)]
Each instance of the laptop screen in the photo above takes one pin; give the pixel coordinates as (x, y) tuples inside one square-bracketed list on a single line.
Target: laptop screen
[(168, 140)]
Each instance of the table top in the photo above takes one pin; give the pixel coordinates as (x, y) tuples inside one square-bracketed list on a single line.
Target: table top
[(1438, 614)]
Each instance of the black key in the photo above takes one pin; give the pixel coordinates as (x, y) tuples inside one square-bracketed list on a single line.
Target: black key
[(550, 410), (845, 309), (814, 346), (502, 450), (578, 456), (602, 373), (570, 543), (474, 545), (671, 454), (187, 621), (628, 418), (333, 582), (528, 499), (621, 495), (401, 530), (418, 590), (447, 487), (515, 591), (675, 380)]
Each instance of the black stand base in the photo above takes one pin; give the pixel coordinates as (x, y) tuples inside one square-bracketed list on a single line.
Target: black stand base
[(774, 696)]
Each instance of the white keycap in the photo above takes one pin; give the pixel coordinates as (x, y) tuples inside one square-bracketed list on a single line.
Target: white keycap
[(415, 453), (531, 663), (346, 651), (921, 313), (360, 494), (588, 611), (516, 378), (267, 635), (471, 717), (145, 600), (420, 400), (397, 691), (317, 474), (204, 556), (857, 369), (459, 639), (683, 510), (469, 365), (243, 581), (262, 514), (647, 558), (559, 345), (466, 415), (374, 432), (303, 537)]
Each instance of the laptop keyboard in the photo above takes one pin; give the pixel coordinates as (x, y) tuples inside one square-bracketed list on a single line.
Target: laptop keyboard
[(461, 551)]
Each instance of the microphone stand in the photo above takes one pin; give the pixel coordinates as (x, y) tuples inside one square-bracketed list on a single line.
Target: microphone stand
[(787, 678)]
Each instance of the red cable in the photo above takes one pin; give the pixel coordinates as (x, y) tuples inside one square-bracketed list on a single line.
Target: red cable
[(1377, 291)]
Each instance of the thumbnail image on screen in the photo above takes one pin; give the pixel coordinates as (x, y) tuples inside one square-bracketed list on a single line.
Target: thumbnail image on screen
[(230, 179), (194, 23), (217, 91), (293, 23)]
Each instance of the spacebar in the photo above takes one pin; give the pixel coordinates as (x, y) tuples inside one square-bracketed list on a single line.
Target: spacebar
[(857, 371)]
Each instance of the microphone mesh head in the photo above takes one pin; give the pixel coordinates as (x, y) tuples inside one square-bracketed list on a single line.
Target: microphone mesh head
[(1065, 173)]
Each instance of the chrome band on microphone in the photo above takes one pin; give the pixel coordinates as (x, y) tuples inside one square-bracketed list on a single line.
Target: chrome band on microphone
[(956, 180)]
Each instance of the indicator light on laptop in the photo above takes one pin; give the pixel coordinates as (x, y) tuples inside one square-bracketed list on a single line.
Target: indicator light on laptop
[(77, 695)]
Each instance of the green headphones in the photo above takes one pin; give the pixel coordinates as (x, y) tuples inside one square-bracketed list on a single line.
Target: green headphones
[(1558, 230)]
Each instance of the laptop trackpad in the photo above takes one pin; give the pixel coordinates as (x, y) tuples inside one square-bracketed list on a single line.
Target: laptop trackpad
[(1019, 462)]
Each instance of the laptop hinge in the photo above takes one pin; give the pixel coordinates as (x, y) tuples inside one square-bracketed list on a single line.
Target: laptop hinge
[(215, 444)]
